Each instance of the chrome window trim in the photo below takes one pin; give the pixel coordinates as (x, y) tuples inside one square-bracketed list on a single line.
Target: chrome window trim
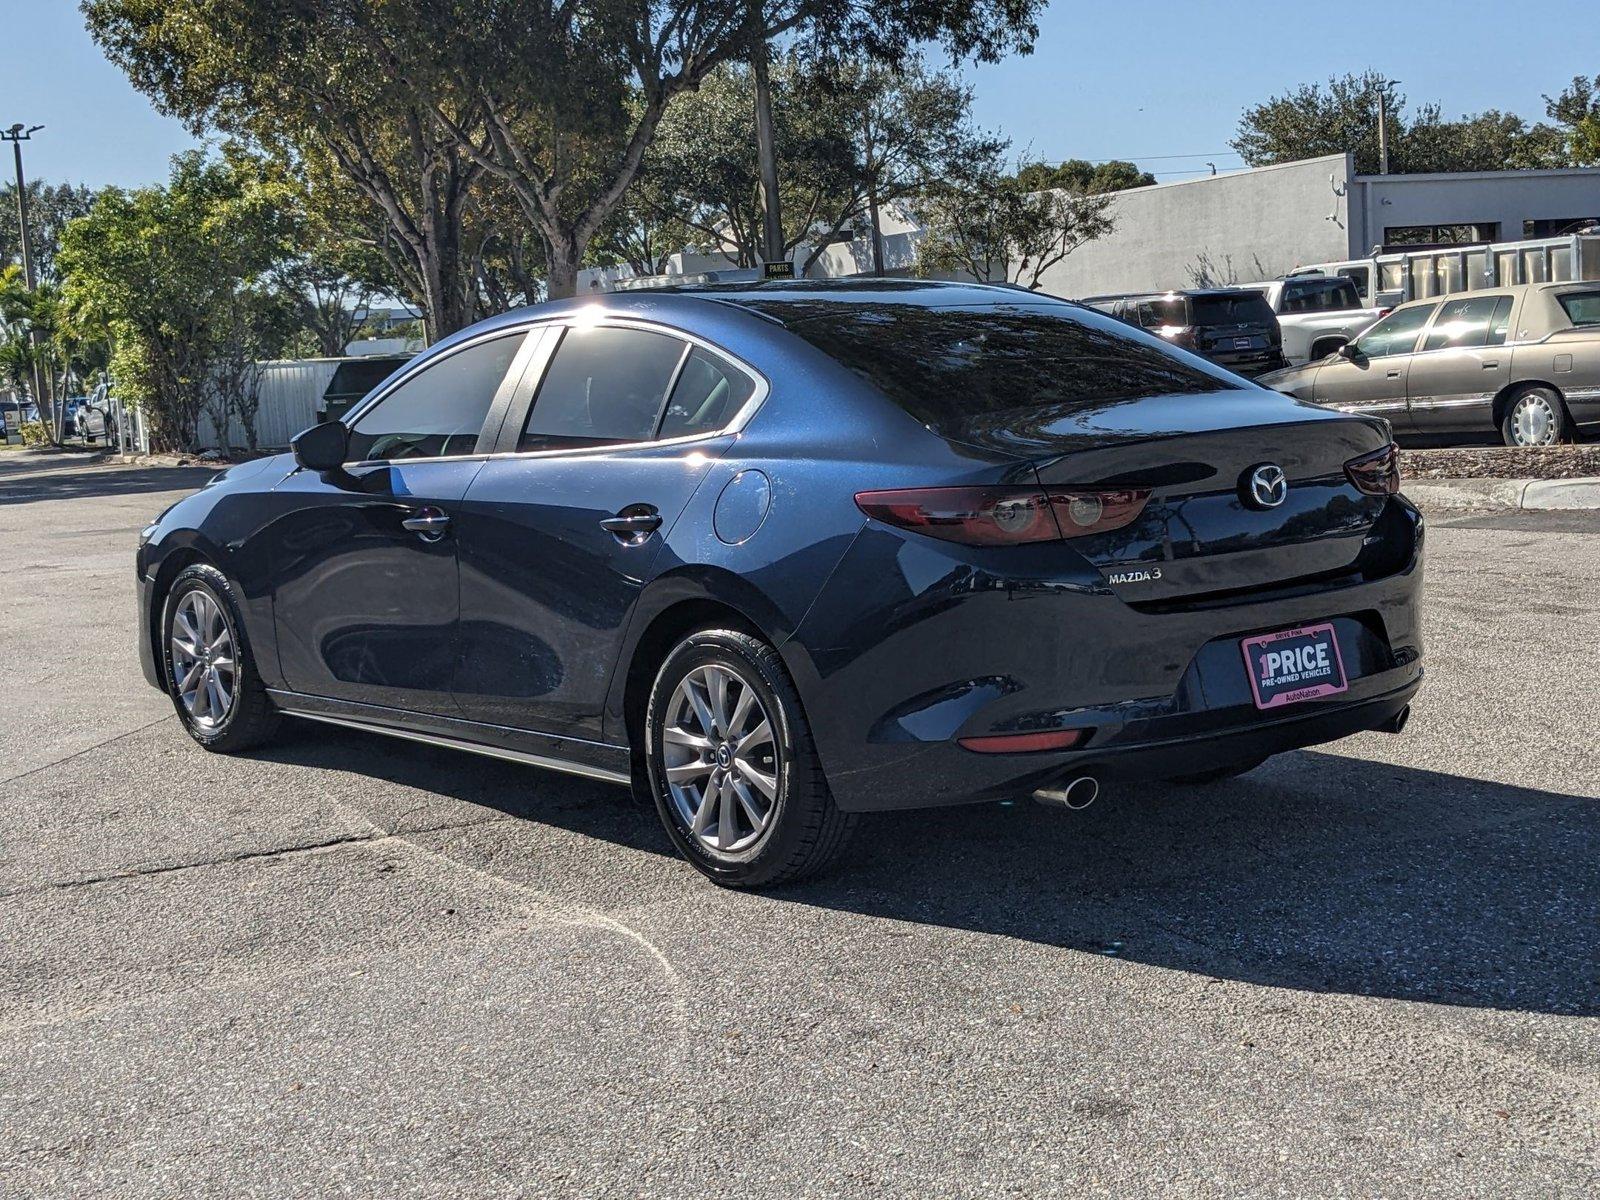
[(566, 322)]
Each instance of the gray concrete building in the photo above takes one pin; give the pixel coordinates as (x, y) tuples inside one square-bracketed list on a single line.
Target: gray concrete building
[(1256, 224)]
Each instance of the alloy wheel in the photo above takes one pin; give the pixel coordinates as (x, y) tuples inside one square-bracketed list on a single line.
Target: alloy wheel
[(721, 759), (204, 662), (1533, 421)]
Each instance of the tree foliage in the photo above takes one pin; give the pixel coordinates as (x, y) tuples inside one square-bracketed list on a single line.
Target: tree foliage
[(174, 276), (1081, 175), (417, 99), (50, 207), (1577, 110), (994, 226), (1317, 119)]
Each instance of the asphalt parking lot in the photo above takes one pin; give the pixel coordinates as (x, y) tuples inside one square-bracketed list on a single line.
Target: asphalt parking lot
[(347, 965)]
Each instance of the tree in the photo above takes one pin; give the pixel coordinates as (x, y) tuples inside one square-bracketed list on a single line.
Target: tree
[(297, 78), (996, 228), (1081, 175), (167, 272), (50, 207), (1577, 111), (1342, 116)]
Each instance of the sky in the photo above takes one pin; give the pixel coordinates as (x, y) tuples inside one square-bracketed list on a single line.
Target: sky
[(1160, 82)]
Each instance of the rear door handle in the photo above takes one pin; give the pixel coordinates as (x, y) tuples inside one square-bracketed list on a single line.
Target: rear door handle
[(633, 523), (429, 524)]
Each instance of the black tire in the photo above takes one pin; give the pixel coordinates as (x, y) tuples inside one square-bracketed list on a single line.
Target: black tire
[(250, 718), (1217, 774), (1554, 414), (804, 830)]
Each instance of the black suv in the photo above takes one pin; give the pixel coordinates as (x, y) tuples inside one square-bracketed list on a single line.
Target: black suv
[(1234, 329)]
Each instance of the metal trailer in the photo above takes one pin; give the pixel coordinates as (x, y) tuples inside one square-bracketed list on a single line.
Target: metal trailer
[(1400, 275)]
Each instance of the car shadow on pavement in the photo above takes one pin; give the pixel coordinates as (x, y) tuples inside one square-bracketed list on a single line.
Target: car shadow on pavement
[(1315, 872), (73, 477)]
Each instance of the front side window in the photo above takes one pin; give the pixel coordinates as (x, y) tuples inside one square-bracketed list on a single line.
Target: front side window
[(1396, 333), (605, 385), (1465, 324), (1582, 308), (440, 410)]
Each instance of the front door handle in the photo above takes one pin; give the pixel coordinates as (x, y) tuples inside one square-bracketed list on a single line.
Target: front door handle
[(429, 524), (1394, 374), (634, 523), (1489, 366)]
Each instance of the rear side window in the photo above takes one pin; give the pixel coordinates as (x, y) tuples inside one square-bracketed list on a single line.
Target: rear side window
[(1396, 333), (440, 410), (605, 385), (1320, 295), (1582, 308), (1463, 324), (706, 396), (1164, 310), (1247, 308), (953, 368)]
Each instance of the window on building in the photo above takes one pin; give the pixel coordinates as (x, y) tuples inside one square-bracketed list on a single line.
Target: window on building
[(1441, 235), (1558, 226)]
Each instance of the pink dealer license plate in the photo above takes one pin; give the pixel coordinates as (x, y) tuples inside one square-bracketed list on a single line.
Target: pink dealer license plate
[(1293, 665)]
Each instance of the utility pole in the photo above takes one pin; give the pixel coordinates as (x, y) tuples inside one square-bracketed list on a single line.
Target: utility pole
[(1383, 124), (767, 153), (16, 135)]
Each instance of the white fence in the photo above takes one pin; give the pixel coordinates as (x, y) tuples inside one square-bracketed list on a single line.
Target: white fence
[(291, 391)]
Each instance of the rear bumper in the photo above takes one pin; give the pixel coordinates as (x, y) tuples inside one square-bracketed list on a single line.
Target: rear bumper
[(909, 649)]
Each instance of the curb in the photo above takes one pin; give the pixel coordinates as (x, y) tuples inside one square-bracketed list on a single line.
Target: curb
[(1521, 494)]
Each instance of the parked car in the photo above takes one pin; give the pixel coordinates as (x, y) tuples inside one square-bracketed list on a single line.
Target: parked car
[(96, 419), (16, 413), (1316, 313), (1523, 361), (69, 415), (1233, 329), (781, 554)]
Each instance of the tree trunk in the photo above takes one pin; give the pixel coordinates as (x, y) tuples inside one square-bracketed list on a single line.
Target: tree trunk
[(877, 233), (766, 151), (562, 259)]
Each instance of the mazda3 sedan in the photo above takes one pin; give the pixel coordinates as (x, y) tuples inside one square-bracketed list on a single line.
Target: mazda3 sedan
[(781, 554)]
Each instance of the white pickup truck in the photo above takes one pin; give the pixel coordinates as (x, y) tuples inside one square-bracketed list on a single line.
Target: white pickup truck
[(1317, 313)]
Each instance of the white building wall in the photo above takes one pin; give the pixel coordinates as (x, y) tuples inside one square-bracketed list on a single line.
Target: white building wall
[(1237, 227)]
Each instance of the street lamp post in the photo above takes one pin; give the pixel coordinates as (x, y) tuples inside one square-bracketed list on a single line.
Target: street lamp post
[(16, 135)]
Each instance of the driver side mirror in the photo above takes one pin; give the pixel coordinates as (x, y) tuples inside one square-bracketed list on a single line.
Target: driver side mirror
[(322, 448), (1348, 350)]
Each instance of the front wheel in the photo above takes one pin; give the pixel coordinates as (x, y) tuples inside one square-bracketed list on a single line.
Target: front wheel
[(733, 770), (211, 676), (1536, 417)]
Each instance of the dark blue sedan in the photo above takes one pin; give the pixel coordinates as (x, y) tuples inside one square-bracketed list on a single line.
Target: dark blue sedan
[(780, 554)]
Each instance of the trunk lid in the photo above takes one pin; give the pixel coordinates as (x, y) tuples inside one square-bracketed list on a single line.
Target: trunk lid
[(1203, 536)]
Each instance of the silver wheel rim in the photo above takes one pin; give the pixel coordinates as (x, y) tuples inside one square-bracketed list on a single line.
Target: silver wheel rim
[(204, 667), (1533, 422), (721, 759)]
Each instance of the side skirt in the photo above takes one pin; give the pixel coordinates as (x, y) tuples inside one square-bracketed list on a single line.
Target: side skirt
[(573, 756)]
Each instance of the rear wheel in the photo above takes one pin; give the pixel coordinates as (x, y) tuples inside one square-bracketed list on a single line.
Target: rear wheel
[(211, 675), (1535, 417), (733, 770)]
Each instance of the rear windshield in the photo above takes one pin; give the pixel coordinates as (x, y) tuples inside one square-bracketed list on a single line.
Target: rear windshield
[(1582, 308), (947, 366), (1247, 308)]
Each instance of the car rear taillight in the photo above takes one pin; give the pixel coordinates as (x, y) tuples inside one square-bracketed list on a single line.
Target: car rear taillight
[(1024, 743), (1377, 473), (1003, 516)]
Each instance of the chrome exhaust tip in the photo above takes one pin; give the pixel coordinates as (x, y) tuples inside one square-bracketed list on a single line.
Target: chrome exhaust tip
[(1397, 723), (1076, 794)]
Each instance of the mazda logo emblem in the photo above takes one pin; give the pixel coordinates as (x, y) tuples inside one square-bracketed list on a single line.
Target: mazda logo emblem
[(1265, 486)]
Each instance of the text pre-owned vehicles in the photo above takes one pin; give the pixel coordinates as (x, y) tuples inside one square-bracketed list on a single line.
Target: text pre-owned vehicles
[(1316, 313), (780, 554), (1523, 361), (1233, 329)]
